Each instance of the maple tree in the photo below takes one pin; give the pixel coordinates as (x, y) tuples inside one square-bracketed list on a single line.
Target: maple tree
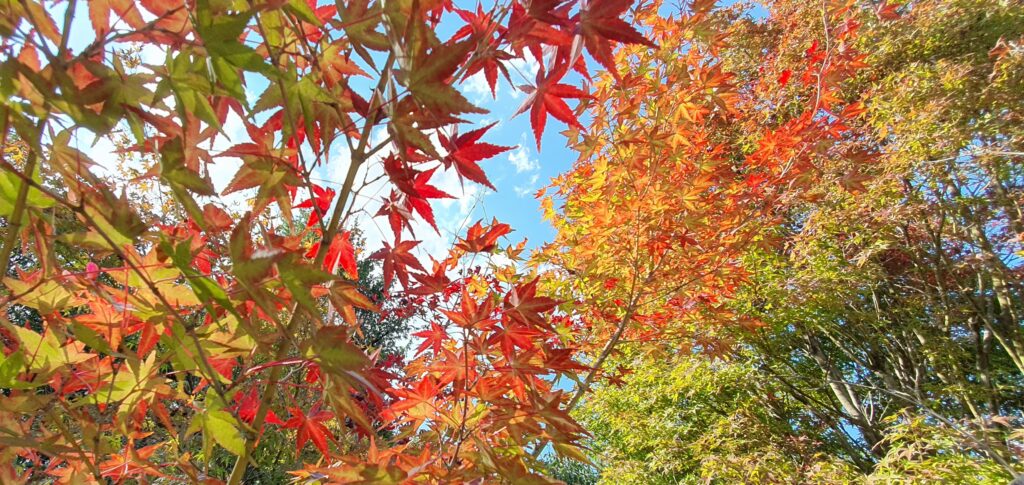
[(678, 175), (219, 317), (885, 298)]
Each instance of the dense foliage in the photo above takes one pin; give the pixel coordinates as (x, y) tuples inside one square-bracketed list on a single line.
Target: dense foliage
[(683, 166), (888, 302), (789, 250), (195, 332)]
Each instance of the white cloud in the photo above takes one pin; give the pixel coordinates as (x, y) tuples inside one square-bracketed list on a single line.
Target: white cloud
[(476, 88), (527, 189), (520, 159), (499, 259)]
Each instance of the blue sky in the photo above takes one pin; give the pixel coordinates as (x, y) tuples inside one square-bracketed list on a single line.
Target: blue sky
[(519, 173)]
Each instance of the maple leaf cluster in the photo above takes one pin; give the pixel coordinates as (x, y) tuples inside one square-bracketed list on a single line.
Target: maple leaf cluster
[(144, 343), (685, 168)]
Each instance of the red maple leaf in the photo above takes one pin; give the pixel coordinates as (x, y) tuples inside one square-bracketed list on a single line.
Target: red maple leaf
[(471, 314), (478, 24), (522, 304), (561, 360), (455, 367), (339, 252), (247, 405), (424, 393), (600, 24), (425, 191), (400, 173), (322, 198), (784, 77), (88, 375), (887, 11), (310, 427), (346, 297), (514, 335), (490, 62), (479, 240), (489, 59), (126, 10), (396, 261), (465, 153), (416, 188), (433, 282), (547, 97), (216, 219), (432, 338), (541, 22), (397, 209)]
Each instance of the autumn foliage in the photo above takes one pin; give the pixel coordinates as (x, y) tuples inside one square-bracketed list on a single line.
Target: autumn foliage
[(877, 290), (144, 343), (141, 332), (678, 176)]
